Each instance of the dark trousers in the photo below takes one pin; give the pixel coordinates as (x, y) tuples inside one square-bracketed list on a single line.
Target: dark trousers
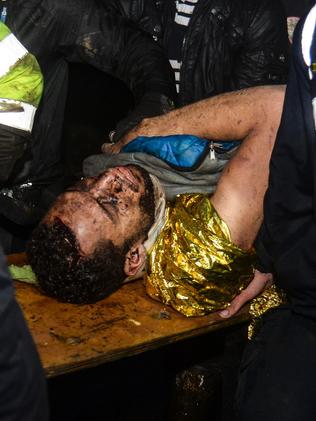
[(14, 145), (22, 384), (278, 371)]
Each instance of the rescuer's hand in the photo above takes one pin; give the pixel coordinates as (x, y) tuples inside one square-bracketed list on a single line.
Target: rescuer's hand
[(259, 283)]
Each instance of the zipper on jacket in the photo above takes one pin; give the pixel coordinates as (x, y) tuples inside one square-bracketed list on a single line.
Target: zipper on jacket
[(3, 14), (212, 151)]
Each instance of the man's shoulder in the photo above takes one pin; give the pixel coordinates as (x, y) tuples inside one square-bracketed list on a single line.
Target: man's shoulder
[(261, 15), (244, 8), (251, 6), (64, 8), (46, 7), (136, 10)]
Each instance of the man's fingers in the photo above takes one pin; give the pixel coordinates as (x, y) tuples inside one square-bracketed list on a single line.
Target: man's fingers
[(104, 147), (236, 304), (256, 286), (110, 148)]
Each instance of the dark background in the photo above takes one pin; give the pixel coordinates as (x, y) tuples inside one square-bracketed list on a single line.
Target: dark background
[(91, 113), (297, 7)]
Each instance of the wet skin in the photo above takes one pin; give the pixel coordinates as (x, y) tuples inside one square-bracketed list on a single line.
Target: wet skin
[(104, 207)]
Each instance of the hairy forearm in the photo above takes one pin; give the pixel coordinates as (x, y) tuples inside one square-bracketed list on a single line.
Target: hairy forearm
[(233, 115)]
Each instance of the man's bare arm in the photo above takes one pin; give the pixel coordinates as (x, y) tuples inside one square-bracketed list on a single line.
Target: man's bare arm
[(233, 115)]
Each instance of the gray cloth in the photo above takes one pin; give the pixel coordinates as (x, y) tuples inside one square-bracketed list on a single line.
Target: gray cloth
[(202, 180)]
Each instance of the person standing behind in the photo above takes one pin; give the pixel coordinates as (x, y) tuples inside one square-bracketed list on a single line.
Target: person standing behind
[(220, 46), (215, 46)]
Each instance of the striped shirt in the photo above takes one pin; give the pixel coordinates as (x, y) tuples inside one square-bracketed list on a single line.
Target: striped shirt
[(184, 11)]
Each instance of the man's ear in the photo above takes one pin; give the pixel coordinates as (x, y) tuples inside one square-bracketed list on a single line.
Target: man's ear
[(135, 259)]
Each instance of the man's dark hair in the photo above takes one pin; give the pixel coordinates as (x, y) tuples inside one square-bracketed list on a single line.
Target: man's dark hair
[(62, 272), (53, 253)]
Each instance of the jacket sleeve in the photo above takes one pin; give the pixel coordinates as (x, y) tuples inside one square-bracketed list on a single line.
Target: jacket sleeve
[(115, 45), (263, 58), (143, 13), (107, 39)]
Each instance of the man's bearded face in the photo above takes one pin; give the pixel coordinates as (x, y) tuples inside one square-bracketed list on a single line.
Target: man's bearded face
[(107, 207)]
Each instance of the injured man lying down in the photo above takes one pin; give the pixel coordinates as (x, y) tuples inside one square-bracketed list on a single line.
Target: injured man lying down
[(197, 250)]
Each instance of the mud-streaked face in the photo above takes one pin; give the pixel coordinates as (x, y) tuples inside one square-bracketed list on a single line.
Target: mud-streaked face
[(100, 208)]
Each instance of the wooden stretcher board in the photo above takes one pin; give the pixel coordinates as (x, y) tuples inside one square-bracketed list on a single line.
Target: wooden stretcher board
[(71, 337)]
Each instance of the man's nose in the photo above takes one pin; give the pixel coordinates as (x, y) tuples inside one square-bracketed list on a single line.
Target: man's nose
[(99, 190)]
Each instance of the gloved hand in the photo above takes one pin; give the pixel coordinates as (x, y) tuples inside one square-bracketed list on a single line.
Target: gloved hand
[(151, 105)]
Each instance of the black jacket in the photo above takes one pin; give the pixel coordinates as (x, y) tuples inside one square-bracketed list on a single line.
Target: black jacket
[(62, 31), (230, 44), (286, 243)]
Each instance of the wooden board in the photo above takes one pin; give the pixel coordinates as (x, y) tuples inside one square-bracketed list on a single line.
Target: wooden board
[(70, 337)]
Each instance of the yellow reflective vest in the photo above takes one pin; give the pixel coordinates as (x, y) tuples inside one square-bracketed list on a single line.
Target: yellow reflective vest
[(21, 82)]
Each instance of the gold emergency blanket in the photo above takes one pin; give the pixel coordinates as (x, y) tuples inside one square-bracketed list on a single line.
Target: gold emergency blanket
[(193, 266), (270, 298)]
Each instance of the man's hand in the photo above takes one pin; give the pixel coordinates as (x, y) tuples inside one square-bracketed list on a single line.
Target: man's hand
[(161, 125), (148, 127), (259, 283), (111, 148), (152, 104)]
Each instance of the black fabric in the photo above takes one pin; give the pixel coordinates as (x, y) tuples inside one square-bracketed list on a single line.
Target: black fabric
[(22, 384), (151, 105), (286, 243), (229, 44), (13, 146), (297, 8), (58, 32), (278, 370)]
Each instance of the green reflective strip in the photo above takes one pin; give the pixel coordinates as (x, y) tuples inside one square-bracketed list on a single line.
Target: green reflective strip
[(24, 82), (4, 31)]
